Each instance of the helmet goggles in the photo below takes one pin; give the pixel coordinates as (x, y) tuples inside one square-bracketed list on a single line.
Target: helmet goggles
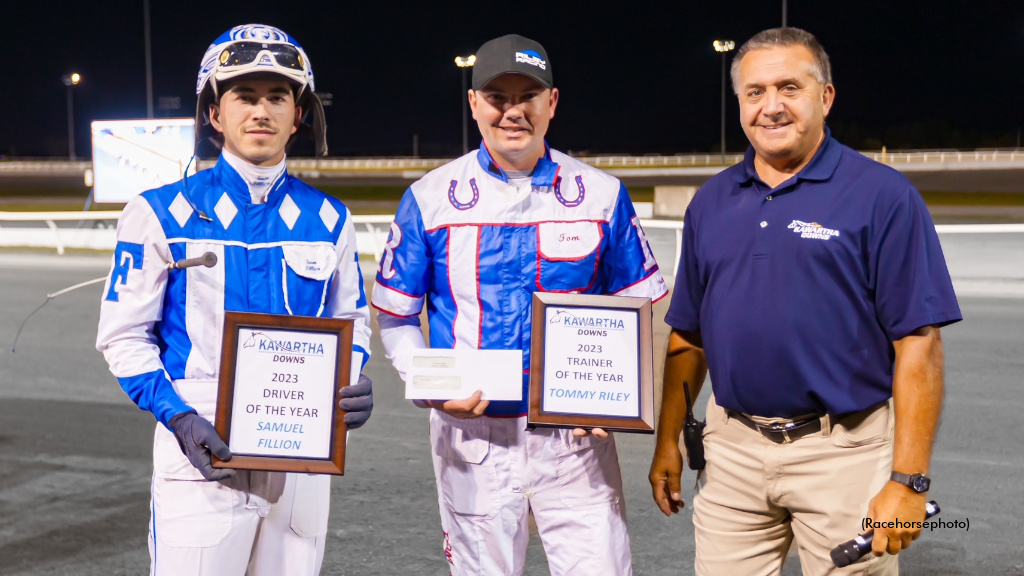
[(247, 53), (256, 49)]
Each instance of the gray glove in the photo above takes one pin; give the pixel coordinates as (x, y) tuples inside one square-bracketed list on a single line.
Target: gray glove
[(357, 402), (197, 440)]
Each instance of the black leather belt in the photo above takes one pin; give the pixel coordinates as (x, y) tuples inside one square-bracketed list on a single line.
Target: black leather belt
[(781, 432)]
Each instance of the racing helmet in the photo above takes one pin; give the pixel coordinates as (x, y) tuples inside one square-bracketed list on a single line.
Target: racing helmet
[(259, 49)]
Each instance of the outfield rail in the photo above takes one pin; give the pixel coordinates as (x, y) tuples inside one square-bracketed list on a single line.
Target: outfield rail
[(370, 241)]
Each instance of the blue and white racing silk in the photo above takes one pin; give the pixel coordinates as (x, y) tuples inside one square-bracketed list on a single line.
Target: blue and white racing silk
[(465, 242), (294, 254)]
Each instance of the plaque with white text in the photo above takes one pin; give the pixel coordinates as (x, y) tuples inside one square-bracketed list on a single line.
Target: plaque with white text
[(591, 362), (280, 386)]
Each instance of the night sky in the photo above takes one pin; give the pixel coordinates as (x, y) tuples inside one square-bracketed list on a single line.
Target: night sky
[(635, 77)]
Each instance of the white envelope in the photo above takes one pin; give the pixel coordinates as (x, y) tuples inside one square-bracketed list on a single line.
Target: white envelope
[(443, 374)]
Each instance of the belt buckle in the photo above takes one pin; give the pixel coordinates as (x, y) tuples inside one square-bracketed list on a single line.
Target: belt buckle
[(783, 428)]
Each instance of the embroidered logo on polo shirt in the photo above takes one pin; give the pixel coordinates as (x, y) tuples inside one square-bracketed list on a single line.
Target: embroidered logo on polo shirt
[(812, 230)]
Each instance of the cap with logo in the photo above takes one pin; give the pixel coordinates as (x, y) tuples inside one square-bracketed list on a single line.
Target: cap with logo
[(511, 54)]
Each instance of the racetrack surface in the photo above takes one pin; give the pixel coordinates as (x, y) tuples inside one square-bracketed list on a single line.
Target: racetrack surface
[(75, 453)]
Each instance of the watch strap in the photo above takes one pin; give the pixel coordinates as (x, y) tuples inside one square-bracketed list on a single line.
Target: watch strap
[(908, 480)]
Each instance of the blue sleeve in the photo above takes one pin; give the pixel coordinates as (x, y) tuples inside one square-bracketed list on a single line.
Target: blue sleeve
[(912, 287), (365, 353), (153, 392), (133, 304), (629, 267), (688, 292), (404, 273)]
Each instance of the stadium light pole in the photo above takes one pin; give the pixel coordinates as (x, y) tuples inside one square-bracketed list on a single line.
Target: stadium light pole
[(723, 47), (149, 59), (71, 80), (465, 64)]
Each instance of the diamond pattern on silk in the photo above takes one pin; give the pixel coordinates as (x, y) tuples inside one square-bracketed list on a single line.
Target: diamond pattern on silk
[(289, 211)]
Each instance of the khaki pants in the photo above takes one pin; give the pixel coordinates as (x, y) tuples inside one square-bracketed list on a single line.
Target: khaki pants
[(755, 496)]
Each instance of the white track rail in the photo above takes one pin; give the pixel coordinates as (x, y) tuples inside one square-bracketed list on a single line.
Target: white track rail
[(370, 240)]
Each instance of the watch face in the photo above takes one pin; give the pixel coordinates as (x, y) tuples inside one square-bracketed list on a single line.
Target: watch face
[(920, 482)]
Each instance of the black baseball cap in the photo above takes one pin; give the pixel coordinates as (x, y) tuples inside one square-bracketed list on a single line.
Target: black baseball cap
[(511, 54)]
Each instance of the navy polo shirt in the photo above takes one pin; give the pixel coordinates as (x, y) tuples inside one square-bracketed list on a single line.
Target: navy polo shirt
[(799, 291)]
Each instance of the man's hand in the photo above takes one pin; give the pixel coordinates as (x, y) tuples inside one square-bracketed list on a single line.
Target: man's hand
[(896, 501), (357, 402), (472, 407), (666, 470), (197, 440), (917, 403), (684, 366)]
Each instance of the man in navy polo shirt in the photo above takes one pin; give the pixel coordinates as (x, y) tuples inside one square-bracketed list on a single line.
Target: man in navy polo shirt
[(812, 286)]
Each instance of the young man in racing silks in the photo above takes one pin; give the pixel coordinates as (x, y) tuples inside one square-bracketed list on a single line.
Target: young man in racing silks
[(282, 247)]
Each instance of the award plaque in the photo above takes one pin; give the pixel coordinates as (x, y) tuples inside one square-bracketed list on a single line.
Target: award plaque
[(591, 362), (280, 385)]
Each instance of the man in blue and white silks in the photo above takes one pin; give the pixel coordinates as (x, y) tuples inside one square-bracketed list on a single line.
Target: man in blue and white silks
[(282, 247)]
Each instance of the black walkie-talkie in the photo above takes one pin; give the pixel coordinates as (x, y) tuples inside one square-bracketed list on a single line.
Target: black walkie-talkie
[(693, 435)]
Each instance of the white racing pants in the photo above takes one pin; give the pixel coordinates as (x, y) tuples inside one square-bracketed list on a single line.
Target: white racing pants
[(492, 472), (257, 523)]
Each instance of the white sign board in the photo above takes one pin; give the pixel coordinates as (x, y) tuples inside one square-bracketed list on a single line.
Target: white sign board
[(283, 403), (591, 361), (132, 156)]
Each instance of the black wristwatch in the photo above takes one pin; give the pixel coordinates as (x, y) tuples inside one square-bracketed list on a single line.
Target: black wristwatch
[(917, 482)]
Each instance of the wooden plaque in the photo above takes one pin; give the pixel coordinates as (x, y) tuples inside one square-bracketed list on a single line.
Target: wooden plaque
[(279, 391), (591, 362)]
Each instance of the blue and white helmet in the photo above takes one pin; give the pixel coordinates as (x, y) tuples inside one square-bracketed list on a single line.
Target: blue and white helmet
[(258, 49)]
